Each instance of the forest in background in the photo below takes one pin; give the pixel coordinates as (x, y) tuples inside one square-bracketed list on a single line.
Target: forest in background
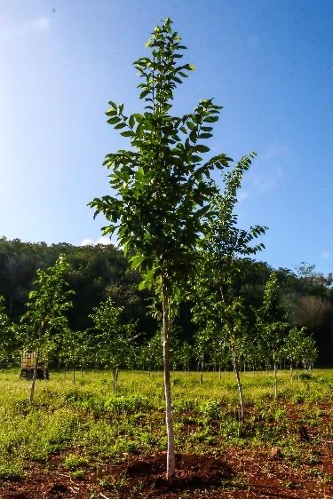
[(101, 271)]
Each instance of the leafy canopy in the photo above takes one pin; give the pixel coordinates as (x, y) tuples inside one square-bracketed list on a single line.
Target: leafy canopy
[(218, 309), (162, 184), (47, 305)]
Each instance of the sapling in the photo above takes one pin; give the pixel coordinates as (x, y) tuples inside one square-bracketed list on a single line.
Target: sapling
[(161, 186)]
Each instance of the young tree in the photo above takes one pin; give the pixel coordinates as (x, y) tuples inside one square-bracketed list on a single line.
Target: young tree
[(219, 309), (162, 185), (151, 353), (112, 340), (202, 347), (299, 347), (45, 317), (73, 350), (273, 324), (184, 355)]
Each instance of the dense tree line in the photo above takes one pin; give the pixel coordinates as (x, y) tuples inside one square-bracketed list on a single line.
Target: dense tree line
[(101, 272)]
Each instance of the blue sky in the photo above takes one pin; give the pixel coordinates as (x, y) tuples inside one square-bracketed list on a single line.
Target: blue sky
[(268, 63)]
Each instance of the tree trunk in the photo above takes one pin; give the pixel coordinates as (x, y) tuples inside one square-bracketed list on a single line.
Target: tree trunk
[(115, 373), (241, 394), (168, 398), (33, 381), (202, 371), (275, 379)]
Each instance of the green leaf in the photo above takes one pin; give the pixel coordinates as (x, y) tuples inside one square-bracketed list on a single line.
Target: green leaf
[(119, 126), (137, 260), (201, 148), (114, 120), (211, 119), (127, 133)]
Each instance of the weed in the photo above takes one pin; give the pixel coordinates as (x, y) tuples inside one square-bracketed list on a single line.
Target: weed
[(78, 474), (10, 469), (126, 404), (298, 398), (117, 483), (291, 485), (74, 461), (185, 404), (305, 376), (211, 410)]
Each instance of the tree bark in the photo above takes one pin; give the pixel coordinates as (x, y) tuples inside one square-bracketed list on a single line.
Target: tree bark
[(241, 394), (168, 398), (33, 381), (115, 372), (202, 372), (275, 379)]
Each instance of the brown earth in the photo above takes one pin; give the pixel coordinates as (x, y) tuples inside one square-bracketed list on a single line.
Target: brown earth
[(235, 473)]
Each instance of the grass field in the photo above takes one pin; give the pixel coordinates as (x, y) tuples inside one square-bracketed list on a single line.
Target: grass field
[(77, 428)]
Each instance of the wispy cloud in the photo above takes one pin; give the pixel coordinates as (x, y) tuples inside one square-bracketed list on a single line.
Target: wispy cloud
[(274, 153), (325, 255), (267, 176), (267, 181), (25, 28), (242, 195)]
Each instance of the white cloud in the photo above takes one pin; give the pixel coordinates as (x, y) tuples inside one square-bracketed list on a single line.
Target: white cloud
[(38, 25), (103, 240), (86, 242)]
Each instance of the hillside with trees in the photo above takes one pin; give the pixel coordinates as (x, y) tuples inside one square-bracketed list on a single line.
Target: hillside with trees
[(100, 273)]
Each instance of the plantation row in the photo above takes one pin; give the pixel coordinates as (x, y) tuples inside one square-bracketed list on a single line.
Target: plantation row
[(113, 344), (272, 341)]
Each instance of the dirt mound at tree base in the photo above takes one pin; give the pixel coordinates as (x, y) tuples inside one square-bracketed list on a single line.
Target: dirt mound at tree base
[(193, 472)]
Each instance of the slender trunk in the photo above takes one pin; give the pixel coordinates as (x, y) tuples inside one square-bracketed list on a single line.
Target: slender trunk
[(115, 373), (275, 379), (202, 371), (220, 373), (240, 391), (241, 394), (33, 381), (168, 398)]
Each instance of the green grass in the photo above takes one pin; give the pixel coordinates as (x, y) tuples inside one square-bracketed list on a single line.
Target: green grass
[(86, 420)]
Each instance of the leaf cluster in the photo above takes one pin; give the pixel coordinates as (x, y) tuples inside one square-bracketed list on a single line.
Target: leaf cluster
[(47, 305), (162, 184)]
